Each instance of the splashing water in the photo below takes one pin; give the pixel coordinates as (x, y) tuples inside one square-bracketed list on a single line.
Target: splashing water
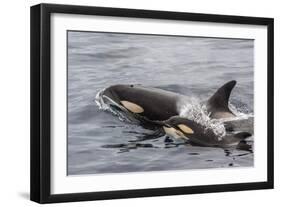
[(196, 111), (241, 112), (104, 103), (100, 101)]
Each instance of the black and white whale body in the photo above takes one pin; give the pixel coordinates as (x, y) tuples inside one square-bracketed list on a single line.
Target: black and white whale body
[(158, 105), (179, 127)]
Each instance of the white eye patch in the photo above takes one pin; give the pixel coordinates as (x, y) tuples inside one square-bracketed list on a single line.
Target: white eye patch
[(132, 107), (185, 129), (174, 133)]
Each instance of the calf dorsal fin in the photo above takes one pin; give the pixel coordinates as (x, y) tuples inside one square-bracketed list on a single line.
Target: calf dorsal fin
[(217, 105)]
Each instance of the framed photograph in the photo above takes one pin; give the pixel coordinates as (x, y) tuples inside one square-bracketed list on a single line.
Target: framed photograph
[(133, 103)]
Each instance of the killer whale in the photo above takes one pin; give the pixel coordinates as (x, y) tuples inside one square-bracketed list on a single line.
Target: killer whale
[(180, 127), (155, 104)]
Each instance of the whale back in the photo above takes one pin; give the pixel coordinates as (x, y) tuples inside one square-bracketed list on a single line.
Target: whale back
[(151, 103)]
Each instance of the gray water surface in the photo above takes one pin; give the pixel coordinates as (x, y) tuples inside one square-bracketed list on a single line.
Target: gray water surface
[(195, 67)]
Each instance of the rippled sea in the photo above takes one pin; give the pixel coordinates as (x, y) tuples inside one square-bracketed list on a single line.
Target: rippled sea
[(192, 66)]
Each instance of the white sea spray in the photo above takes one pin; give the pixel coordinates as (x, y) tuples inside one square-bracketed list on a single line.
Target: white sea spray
[(99, 101), (196, 111), (241, 112), (105, 103)]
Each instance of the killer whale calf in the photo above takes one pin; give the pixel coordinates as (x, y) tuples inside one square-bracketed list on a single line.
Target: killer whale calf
[(156, 104), (180, 127)]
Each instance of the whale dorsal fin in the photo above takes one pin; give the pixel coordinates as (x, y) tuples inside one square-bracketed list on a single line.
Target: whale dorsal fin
[(217, 105)]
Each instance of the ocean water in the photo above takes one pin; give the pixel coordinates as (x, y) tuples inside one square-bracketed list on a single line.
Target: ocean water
[(99, 142)]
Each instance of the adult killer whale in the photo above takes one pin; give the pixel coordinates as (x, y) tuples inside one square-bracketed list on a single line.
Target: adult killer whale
[(155, 104)]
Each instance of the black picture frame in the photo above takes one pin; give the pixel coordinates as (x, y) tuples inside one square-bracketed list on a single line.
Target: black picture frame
[(40, 184)]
